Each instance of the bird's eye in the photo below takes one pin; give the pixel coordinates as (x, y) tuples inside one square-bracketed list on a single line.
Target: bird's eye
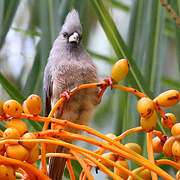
[(65, 34)]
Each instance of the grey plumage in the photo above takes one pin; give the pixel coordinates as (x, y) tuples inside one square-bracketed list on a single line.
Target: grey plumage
[(69, 66)]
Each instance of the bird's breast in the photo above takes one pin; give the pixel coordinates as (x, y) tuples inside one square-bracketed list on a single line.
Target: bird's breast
[(70, 75)]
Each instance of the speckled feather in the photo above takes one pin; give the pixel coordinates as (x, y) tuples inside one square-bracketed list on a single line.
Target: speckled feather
[(69, 66)]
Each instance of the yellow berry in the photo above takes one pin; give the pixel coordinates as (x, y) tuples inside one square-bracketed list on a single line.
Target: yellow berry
[(168, 98), (145, 107), (11, 133), (25, 109), (175, 130), (18, 124), (33, 154), (167, 148), (120, 173), (28, 136), (143, 173), (111, 136), (111, 156), (176, 148), (178, 175), (149, 124), (157, 145), (1, 108), (32, 105), (18, 152), (135, 147), (120, 70), (7, 172), (12, 108), (171, 120)]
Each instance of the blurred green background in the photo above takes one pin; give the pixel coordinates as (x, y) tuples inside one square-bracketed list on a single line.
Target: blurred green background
[(141, 31)]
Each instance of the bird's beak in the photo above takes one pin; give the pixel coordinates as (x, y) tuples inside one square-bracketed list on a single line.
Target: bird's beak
[(74, 38)]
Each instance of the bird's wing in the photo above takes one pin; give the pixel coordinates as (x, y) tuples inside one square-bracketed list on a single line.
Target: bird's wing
[(47, 90)]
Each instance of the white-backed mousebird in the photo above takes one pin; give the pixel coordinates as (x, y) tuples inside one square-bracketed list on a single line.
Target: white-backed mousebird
[(69, 66)]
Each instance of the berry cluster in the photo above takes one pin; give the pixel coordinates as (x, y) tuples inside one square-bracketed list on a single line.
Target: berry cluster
[(17, 129), (121, 161), (19, 149)]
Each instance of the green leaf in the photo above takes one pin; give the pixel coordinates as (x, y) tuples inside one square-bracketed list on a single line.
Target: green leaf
[(120, 48), (7, 12), (119, 5), (176, 8), (171, 83), (138, 30), (102, 57), (2, 125), (76, 168), (154, 59), (34, 126), (32, 81), (11, 90), (26, 32)]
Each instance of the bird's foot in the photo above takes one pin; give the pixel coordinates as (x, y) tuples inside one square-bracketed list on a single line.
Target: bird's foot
[(66, 95), (108, 81)]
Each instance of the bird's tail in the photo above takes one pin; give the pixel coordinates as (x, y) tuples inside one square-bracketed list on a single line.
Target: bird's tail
[(57, 165)]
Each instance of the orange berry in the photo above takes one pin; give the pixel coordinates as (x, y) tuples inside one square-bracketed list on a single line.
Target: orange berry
[(145, 107), (7, 172), (135, 147), (111, 156), (170, 121), (175, 130), (32, 105), (1, 108), (11, 133), (168, 98), (25, 109), (120, 70), (18, 124), (18, 152), (33, 154), (167, 148), (149, 124), (28, 136), (12, 108), (157, 145), (143, 173), (120, 173), (176, 148), (178, 175)]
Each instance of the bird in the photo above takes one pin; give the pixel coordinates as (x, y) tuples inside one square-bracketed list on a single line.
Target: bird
[(69, 66)]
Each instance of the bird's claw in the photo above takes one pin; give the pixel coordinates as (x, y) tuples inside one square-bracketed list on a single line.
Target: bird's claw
[(108, 81), (66, 95)]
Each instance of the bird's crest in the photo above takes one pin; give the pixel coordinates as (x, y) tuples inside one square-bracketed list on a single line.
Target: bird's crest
[(72, 22)]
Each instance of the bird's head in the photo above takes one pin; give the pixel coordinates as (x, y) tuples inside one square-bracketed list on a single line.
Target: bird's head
[(71, 31)]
